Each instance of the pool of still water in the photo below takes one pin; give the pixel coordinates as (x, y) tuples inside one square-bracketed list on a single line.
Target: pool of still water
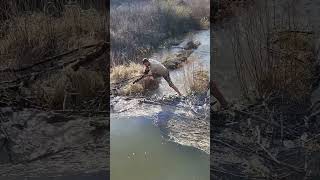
[(140, 152)]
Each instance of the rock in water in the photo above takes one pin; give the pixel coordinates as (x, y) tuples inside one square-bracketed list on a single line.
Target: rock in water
[(192, 45)]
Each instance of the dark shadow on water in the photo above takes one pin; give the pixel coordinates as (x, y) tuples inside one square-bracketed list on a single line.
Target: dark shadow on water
[(167, 112)]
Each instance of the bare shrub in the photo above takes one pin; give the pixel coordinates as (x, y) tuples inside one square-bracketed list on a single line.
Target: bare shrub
[(196, 80), (138, 28), (199, 8), (83, 83), (272, 56), (200, 82), (28, 38), (32, 31), (122, 73), (125, 74), (133, 89)]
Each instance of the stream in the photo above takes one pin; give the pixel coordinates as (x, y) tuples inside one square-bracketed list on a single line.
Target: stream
[(169, 140), (198, 60)]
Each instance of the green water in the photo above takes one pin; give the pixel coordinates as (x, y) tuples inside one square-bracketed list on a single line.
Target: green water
[(139, 152)]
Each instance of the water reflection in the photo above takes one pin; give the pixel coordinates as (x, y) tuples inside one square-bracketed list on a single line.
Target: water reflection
[(139, 151)]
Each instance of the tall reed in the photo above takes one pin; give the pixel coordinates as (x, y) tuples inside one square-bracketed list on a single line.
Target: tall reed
[(273, 55)]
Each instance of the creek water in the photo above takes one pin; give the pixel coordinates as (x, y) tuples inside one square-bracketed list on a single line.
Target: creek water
[(139, 151), (141, 146), (198, 60)]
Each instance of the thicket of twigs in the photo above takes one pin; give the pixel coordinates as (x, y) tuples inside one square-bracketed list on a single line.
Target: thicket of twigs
[(53, 53), (271, 139), (278, 126), (137, 28), (272, 55)]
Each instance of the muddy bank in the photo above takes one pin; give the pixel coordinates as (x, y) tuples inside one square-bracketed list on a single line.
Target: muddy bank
[(184, 121), (37, 141), (41, 144)]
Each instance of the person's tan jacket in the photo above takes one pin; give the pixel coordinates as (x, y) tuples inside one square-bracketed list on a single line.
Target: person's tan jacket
[(156, 68)]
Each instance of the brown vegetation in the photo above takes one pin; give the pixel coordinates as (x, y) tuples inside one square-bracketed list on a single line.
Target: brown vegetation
[(32, 38), (139, 28), (270, 59), (225, 9), (85, 85), (200, 82), (122, 77), (292, 73)]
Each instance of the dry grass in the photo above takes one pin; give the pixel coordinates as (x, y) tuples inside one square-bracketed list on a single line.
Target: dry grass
[(292, 72), (199, 8), (52, 91), (29, 33), (196, 80), (200, 82), (205, 23), (30, 37), (145, 85), (133, 89), (137, 29), (271, 59), (125, 74)]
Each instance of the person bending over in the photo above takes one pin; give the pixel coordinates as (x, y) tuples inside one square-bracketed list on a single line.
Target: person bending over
[(156, 69)]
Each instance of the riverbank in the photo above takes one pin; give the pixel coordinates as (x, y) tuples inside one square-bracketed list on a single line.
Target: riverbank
[(192, 79), (53, 91), (40, 55), (139, 28), (195, 80), (159, 138), (52, 144)]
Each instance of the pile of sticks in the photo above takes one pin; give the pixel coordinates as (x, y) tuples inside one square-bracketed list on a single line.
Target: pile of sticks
[(268, 126)]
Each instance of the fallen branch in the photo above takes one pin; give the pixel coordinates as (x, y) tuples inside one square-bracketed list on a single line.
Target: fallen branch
[(314, 114), (274, 159), (81, 111), (258, 118), (75, 64), (91, 57), (313, 138), (45, 155), (226, 144), (49, 59), (229, 173)]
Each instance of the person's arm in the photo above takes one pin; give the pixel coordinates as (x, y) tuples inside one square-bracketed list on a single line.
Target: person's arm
[(145, 73), (146, 70)]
